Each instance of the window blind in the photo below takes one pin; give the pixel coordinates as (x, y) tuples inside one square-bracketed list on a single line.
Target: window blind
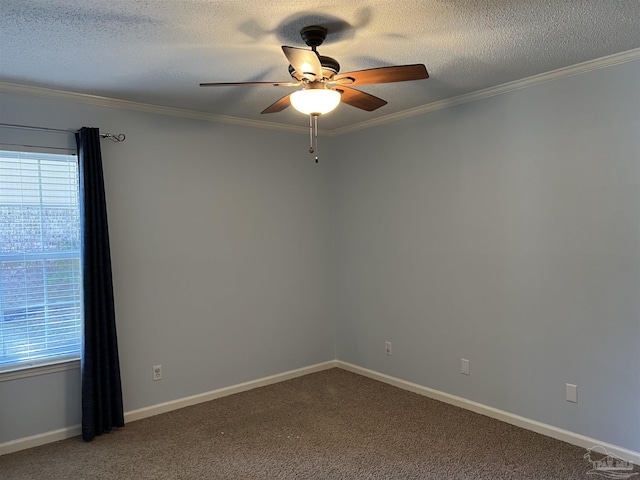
[(40, 272)]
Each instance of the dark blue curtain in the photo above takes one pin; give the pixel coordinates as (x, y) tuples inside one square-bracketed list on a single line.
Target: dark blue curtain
[(102, 408)]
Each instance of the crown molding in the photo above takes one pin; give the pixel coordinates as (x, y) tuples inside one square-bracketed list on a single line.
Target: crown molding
[(583, 67), (54, 94), (563, 72)]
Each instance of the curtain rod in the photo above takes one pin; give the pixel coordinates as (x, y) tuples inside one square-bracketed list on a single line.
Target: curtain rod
[(118, 137)]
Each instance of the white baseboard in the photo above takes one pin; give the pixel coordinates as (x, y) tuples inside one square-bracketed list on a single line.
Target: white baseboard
[(526, 423), (72, 431), (40, 439), (223, 392)]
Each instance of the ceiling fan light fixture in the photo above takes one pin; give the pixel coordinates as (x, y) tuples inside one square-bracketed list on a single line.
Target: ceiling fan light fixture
[(315, 101)]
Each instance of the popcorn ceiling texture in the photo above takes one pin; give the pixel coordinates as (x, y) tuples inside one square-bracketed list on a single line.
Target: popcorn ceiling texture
[(157, 51)]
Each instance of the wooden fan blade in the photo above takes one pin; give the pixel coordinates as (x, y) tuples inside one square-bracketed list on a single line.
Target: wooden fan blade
[(399, 73), (252, 84), (304, 62), (359, 99), (278, 105)]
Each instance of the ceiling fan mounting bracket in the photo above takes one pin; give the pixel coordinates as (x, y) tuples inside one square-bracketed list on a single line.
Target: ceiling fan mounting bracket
[(313, 35)]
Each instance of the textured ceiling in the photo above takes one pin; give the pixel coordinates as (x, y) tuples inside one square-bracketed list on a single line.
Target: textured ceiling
[(157, 51)]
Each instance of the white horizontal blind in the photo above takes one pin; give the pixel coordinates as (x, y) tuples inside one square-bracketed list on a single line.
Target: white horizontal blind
[(40, 274)]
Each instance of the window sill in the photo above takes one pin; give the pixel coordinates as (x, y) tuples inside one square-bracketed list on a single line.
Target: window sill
[(39, 370)]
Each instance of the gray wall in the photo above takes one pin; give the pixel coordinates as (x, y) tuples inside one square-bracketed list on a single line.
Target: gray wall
[(505, 231), (221, 247)]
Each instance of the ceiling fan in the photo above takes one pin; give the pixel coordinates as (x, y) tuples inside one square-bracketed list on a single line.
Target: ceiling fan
[(323, 86)]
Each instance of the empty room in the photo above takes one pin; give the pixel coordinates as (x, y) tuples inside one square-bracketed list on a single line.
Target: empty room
[(360, 240)]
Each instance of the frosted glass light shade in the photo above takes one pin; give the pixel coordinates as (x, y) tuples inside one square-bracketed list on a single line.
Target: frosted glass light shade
[(316, 101)]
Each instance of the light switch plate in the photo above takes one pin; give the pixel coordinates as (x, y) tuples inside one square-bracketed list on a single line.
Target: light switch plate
[(572, 393), (464, 367)]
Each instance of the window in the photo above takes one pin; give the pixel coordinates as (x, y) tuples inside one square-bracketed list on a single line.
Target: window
[(40, 273)]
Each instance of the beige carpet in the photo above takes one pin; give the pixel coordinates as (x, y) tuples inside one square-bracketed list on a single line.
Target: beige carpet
[(329, 425)]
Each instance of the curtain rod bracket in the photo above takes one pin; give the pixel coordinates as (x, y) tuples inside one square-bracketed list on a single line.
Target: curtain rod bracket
[(114, 137)]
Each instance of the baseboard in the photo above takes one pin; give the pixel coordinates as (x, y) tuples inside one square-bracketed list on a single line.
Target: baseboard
[(533, 425), (223, 392), (526, 423), (40, 439), (72, 431)]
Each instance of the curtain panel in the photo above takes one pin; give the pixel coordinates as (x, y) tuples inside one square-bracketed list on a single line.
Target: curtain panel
[(102, 407)]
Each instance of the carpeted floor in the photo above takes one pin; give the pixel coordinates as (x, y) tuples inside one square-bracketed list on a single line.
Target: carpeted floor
[(328, 425)]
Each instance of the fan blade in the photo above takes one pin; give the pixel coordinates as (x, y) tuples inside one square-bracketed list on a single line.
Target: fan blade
[(305, 62), (399, 73), (278, 105), (252, 84), (359, 99)]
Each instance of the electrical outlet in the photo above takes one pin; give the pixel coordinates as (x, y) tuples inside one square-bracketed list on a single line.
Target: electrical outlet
[(157, 372), (572, 393), (387, 348), (464, 367)]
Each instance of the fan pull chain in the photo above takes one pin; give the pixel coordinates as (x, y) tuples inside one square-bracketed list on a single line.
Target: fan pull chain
[(315, 121), (311, 149), (313, 133)]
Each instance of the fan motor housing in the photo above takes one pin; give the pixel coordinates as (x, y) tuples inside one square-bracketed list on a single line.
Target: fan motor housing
[(330, 67), (330, 64)]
